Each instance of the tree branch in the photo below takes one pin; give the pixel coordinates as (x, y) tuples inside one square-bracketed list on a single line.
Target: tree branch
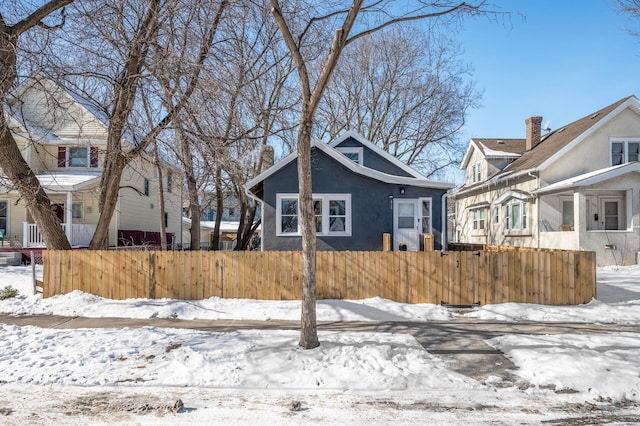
[(37, 16)]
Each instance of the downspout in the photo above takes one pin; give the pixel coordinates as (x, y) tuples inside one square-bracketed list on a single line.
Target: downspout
[(537, 178), (444, 220)]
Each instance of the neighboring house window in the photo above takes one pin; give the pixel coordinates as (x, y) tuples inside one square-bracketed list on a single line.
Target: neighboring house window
[(426, 216), (624, 150), (515, 215), (169, 181), (4, 217), (77, 210), (332, 214), (496, 215), (354, 154), (232, 212), (476, 172), (479, 216), (567, 212), (146, 187), (166, 219), (76, 156)]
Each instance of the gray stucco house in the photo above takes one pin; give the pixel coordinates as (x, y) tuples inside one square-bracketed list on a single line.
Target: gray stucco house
[(360, 192)]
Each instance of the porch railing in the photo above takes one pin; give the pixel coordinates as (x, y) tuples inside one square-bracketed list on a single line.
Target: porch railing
[(80, 234)]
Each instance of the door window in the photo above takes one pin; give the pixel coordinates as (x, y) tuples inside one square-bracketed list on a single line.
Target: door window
[(611, 215), (406, 215)]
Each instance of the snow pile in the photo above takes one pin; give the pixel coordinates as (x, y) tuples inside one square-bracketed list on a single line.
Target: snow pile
[(597, 365), (244, 359)]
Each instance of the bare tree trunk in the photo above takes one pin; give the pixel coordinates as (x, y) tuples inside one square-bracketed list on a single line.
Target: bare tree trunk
[(12, 162), (192, 191), (163, 226), (309, 328), (215, 241)]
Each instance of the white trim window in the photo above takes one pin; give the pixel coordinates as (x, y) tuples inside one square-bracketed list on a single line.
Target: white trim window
[(479, 218), (353, 153), (624, 150), (77, 210), (476, 172), (496, 215), (332, 214), (516, 216), (425, 215), (4, 217)]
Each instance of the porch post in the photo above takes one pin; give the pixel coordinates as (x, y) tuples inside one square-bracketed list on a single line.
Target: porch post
[(580, 219), (68, 213)]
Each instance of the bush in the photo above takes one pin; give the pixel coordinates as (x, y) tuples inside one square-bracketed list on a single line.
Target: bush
[(8, 292)]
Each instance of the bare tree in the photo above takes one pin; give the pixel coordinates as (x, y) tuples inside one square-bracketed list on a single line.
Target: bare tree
[(344, 19), (632, 8), (13, 165), (405, 90)]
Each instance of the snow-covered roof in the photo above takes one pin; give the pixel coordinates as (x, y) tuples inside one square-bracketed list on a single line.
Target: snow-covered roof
[(66, 182)]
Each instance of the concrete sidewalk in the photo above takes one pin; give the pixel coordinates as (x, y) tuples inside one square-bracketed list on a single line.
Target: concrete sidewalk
[(459, 342)]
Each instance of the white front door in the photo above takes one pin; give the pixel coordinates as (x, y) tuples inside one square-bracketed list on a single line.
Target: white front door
[(612, 214), (406, 224)]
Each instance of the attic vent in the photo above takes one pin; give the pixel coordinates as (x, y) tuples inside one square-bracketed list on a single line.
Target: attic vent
[(594, 115), (500, 142), (561, 130)]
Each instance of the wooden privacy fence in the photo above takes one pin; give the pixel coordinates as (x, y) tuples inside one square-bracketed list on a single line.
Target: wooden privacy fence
[(553, 277)]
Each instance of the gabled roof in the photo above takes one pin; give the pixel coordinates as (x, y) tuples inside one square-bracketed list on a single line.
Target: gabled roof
[(254, 186), (373, 147), (557, 143), (591, 178), (494, 148)]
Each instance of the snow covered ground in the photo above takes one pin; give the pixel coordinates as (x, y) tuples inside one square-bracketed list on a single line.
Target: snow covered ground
[(135, 376)]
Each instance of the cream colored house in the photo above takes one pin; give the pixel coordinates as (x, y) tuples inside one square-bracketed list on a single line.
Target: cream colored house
[(576, 187), (64, 142)]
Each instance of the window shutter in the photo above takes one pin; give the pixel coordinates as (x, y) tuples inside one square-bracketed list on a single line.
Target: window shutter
[(93, 157), (62, 156)]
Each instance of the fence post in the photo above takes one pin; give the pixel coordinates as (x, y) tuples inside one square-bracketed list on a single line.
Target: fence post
[(33, 271), (386, 242), (428, 242)]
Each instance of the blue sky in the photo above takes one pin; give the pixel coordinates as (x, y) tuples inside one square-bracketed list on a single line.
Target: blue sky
[(561, 59)]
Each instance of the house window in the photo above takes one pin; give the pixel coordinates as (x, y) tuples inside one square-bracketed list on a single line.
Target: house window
[(146, 187), (354, 154), (166, 219), (77, 210), (624, 150), (476, 172), (287, 214), (479, 216), (516, 215), (567, 212), (169, 181), (4, 217), (76, 156), (332, 214), (496, 215), (426, 216)]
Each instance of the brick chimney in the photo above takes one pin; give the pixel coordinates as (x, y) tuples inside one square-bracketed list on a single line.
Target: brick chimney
[(533, 131)]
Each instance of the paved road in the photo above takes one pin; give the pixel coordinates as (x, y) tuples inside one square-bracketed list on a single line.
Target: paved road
[(459, 342)]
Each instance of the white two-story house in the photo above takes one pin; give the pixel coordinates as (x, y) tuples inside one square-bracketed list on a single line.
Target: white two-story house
[(576, 187), (64, 142)]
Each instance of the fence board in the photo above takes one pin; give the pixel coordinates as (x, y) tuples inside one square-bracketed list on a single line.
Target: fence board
[(531, 276)]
